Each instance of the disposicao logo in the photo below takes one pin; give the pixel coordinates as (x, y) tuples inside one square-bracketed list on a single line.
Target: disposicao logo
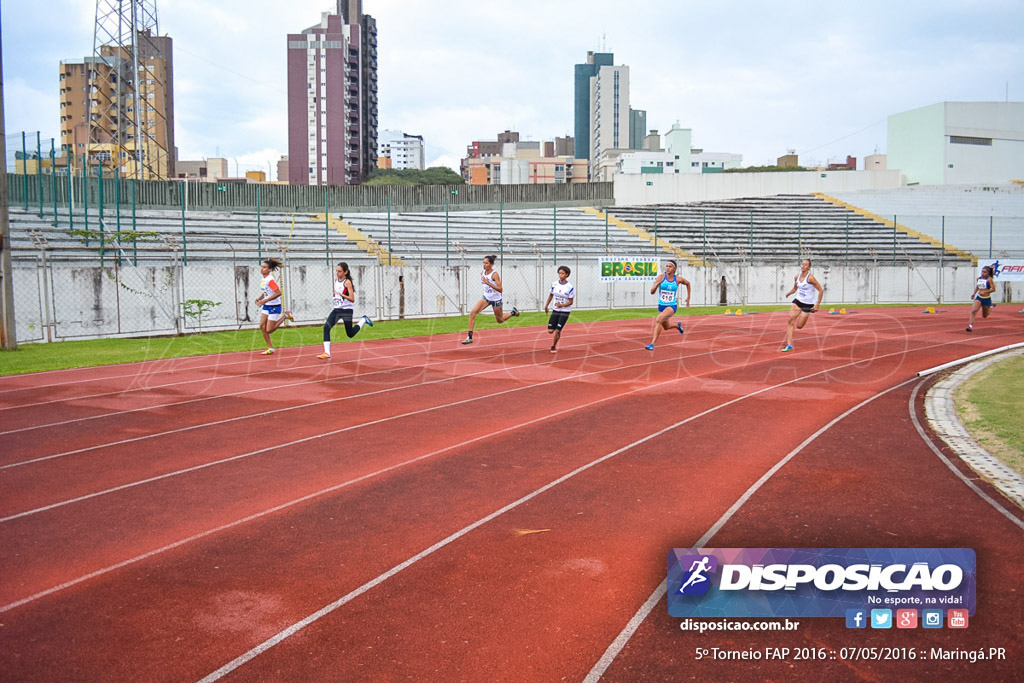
[(822, 582)]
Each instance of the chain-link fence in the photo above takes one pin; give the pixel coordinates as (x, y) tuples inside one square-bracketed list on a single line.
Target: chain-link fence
[(157, 292)]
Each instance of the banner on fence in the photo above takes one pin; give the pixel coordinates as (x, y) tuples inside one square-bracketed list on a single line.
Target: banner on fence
[(617, 270), (1008, 271)]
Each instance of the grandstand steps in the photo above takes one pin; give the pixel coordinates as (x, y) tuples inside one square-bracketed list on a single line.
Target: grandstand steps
[(657, 242), (893, 225), (364, 242)]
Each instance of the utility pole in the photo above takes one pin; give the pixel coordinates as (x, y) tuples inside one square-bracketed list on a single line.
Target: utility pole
[(8, 336)]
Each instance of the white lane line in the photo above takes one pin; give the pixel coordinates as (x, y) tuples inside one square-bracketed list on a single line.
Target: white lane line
[(306, 405), (641, 614), (333, 400), (277, 387), (327, 609), (968, 359), (960, 475), (330, 489), (423, 350), (322, 435), (372, 344), (241, 456)]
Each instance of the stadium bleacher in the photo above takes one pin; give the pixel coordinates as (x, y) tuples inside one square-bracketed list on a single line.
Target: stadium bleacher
[(780, 228)]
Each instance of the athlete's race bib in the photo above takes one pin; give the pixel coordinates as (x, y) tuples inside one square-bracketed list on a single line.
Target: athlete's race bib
[(667, 296)]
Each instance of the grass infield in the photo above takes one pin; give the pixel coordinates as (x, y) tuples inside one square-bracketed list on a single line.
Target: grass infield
[(990, 404), (87, 353)]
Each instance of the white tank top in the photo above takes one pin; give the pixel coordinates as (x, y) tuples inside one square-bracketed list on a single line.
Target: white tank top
[(805, 291), (490, 293), (339, 300)]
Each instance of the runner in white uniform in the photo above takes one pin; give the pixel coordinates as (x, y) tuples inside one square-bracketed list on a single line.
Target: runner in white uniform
[(492, 297), (563, 294), (344, 305), (806, 302), (269, 301)]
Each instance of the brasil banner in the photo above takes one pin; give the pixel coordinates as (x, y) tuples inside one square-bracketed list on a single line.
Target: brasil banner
[(623, 270)]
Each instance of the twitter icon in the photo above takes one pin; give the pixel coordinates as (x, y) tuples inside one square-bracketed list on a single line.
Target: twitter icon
[(881, 618)]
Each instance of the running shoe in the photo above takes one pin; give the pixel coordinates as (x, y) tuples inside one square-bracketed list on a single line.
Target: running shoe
[(787, 347), (515, 312), (467, 340), (367, 321), (324, 356), (288, 314), (649, 347), (268, 352), (970, 328), (553, 349), (679, 326)]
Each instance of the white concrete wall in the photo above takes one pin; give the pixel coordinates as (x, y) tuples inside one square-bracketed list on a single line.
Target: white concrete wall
[(639, 190), (86, 301)]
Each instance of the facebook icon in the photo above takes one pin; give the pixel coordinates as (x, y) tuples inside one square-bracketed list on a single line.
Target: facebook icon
[(856, 618)]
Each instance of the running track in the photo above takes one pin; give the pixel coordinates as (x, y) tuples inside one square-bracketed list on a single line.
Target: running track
[(415, 509)]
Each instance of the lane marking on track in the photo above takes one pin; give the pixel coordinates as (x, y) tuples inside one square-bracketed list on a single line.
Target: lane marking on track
[(956, 470), (420, 411), (325, 491), (648, 606), (371, 344), (354, 396), (331, 607), (246, 377), (339, 378), (968, 359)]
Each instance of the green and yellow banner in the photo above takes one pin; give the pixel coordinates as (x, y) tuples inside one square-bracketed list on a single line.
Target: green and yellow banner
[(618, 270)]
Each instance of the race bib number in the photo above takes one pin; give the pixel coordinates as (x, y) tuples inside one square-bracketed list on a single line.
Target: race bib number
[(667, 296)]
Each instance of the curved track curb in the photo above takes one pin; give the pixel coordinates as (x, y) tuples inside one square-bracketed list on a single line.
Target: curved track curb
[(941, 413)]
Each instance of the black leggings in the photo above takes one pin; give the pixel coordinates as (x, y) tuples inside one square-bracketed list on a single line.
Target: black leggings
[(345, 314)]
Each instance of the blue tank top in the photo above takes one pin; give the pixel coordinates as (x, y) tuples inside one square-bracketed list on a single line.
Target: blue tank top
[(668, 291)]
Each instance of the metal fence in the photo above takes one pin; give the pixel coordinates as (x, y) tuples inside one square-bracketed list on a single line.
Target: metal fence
[(49, 192), (158, 293)]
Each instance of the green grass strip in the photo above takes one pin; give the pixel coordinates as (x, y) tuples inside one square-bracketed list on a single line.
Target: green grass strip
[(990, 405)]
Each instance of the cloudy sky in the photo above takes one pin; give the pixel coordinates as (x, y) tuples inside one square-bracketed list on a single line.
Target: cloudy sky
[(751, 77)]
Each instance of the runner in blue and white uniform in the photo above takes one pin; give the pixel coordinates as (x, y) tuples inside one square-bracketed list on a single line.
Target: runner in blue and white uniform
[(982, 295), (805, 302), (563, 294), (269, 301), (667, 289), (492, 297), (344, 305)]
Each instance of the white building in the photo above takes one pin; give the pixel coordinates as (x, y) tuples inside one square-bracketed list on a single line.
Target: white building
[(713, 162), (648, 161), (957, 143), (609, 118), (404, 150)]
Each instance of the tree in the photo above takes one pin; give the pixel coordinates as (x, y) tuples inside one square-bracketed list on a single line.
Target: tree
[(436, 175)]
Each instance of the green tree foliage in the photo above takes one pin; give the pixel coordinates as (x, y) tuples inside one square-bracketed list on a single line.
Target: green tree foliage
[(765, 169), (437, 175)]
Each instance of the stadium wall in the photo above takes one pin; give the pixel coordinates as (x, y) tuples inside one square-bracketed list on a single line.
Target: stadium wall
[(77, 299), (638, 190)]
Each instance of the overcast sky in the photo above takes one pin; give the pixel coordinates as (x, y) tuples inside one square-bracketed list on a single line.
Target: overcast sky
[(756, 77)]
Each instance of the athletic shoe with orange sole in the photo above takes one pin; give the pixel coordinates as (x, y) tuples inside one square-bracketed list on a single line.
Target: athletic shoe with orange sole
[(324, 356)]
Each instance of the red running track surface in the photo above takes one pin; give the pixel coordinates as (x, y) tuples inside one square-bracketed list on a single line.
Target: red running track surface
[(419, 509)]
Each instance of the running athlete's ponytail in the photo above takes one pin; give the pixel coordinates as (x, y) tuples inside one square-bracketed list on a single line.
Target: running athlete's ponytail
[(348, 274), (272, 263), (991, 271), (491, 258)]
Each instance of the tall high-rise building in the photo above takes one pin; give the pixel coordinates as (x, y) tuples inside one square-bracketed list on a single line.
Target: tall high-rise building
[(101, 117), (332, 98), (404, 151), (637, 128), (609, 118), (584, 72)]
